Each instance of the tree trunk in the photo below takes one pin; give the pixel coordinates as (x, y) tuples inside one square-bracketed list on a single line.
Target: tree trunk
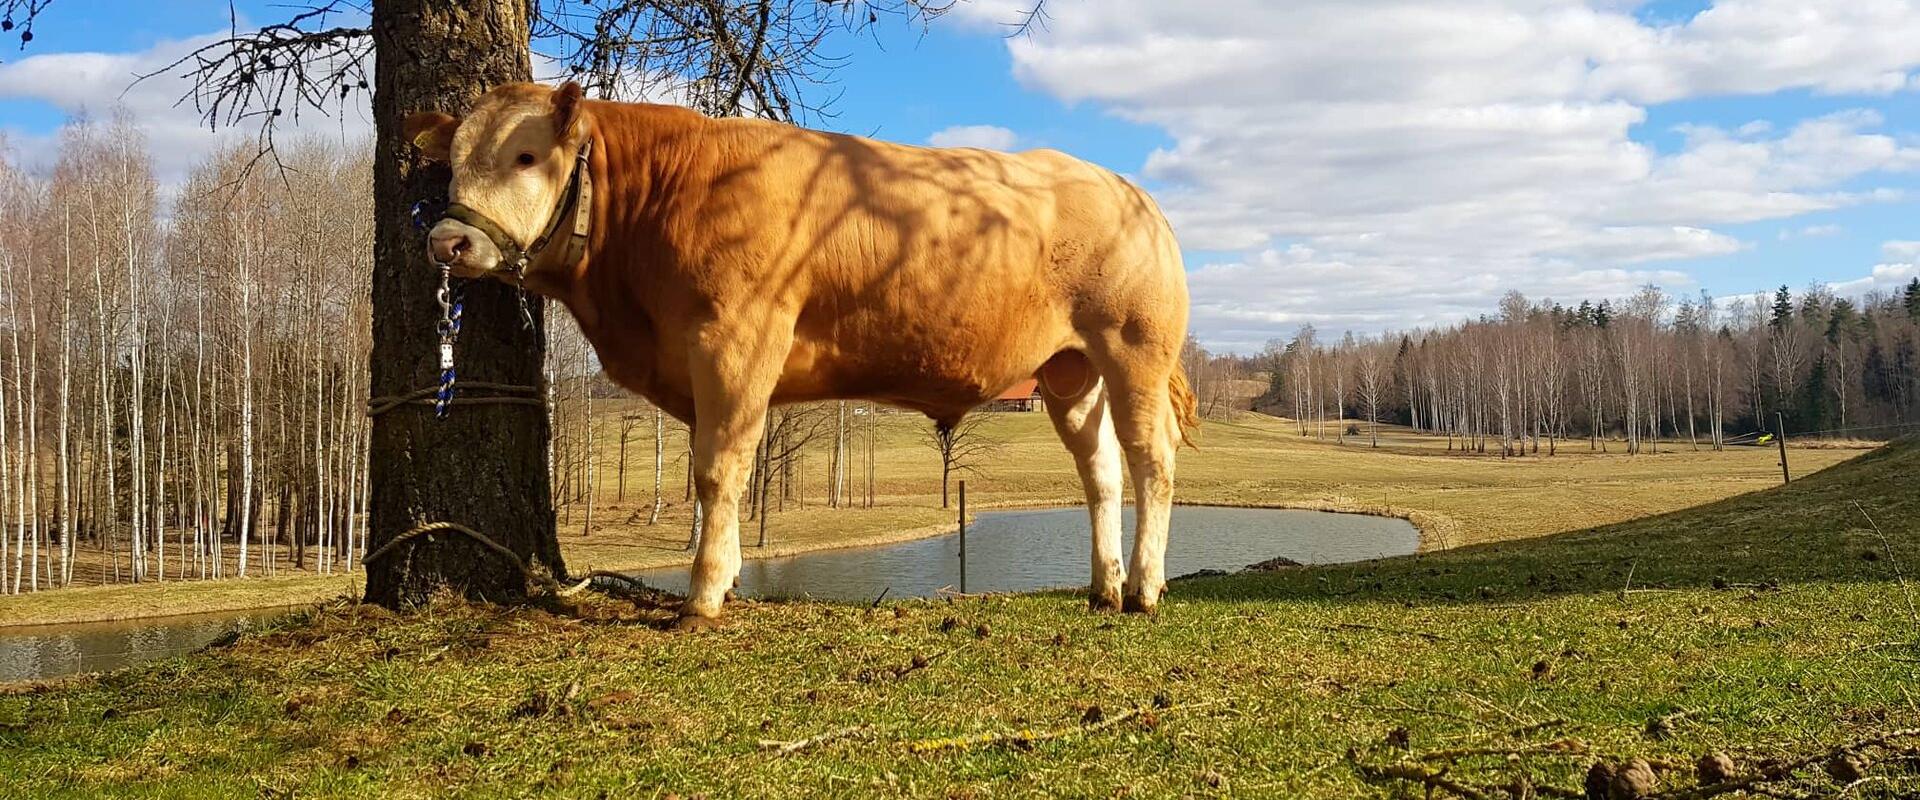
[(659, 459), (484, 465)]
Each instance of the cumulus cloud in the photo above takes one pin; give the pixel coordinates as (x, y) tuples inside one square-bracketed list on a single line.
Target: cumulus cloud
[(1432, 155), (1886, 279), (98, 85), (986, 137)]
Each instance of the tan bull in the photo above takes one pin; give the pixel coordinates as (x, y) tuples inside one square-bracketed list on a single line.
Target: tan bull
[(720, 266)]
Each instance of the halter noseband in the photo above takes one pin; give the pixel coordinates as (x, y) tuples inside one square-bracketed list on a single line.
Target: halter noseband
[(578, 196)]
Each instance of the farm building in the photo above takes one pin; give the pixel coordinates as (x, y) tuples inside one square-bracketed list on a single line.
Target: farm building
[(1022, 396)]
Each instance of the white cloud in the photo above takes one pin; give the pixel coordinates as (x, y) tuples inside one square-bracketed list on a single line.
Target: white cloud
[(97, 85), (986, 137), (1902, 266), (1470, 146), (1885, 278)]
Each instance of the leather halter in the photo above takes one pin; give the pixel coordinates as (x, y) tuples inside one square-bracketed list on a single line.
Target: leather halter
[(578, 197)]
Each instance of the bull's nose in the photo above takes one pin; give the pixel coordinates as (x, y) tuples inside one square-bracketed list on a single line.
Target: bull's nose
[(448, 248)]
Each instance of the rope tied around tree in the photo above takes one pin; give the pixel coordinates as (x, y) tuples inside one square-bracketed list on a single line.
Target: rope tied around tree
[(545, 584), (503, 393)]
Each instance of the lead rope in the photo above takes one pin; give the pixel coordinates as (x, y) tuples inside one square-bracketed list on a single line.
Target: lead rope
[(451, 303)]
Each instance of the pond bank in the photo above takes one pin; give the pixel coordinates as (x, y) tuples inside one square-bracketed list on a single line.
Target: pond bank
[(1006, 552), (118, 602)]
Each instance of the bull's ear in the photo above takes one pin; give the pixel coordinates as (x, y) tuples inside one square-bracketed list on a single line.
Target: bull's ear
[(432, 132), (566, 109)]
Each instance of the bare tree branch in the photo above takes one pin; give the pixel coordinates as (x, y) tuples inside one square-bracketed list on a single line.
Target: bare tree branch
[(723, 57), (21, 14)]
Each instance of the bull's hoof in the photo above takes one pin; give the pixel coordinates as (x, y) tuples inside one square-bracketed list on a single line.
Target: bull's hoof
[(1105, 603), (1139, 604), (693, 623)]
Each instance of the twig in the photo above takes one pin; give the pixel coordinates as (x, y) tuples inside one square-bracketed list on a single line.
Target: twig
[(1403, 706), (1912, 615), (1431, 637), (921, 663), (1566, 746), (1750, 783), (789, 748), (633, 584), (1631, 566), (1430, 778), (1536, 727), (1027, 738), (882, 596), (1492, 707)]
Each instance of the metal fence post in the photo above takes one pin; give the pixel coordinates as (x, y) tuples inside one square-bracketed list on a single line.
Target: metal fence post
[(963, 537)]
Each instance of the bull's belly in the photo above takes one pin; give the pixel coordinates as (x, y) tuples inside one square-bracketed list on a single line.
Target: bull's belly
[(941, 380)]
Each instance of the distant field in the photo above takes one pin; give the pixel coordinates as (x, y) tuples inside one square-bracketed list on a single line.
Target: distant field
[(1455, 498)]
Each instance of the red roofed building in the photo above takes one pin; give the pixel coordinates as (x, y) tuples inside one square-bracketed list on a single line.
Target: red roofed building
[(1022, 396)]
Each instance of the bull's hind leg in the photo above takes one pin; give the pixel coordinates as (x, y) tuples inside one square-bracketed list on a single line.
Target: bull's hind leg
[(1076, 400), (731, 387), (1137, 387)]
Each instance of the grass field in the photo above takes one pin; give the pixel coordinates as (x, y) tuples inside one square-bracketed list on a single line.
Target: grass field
[(1770, 626), (1455, 498)]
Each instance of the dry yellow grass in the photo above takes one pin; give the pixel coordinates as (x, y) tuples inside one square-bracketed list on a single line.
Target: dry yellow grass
[(1455, 498)]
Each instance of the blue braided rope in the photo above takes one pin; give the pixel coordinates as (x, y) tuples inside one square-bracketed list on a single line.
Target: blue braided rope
[(443, 399)]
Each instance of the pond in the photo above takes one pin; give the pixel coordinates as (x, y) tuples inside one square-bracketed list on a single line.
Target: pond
[(1007, 551), (1020, 551), (39, 652)]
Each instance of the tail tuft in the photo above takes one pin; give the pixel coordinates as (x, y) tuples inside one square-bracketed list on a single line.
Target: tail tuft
[(1186, 408)]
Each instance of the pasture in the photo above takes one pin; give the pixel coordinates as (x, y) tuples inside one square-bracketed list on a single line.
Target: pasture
[(1770, 626)]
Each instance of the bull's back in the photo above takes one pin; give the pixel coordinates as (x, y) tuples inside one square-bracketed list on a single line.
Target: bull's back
[(933, 278)]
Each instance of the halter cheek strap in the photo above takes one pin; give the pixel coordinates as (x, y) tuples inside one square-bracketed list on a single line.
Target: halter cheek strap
[(576, 202)]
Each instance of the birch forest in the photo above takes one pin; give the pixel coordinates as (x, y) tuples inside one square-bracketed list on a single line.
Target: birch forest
[(184, 376), (184, 379), (1653, 371)]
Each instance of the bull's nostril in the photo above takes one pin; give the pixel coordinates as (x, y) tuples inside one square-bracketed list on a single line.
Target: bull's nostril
[(449, 249)]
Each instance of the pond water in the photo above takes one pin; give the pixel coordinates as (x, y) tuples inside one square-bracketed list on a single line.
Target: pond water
[(1019, 551), (1007, 551), (39, 652)]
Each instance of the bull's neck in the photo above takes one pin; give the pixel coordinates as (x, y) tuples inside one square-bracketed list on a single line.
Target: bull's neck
[(639, 155)]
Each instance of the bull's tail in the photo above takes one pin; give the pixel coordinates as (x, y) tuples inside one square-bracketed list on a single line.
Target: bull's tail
[(1186, 408)]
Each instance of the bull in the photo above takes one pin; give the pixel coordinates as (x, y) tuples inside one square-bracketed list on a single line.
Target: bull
[(723, 266)]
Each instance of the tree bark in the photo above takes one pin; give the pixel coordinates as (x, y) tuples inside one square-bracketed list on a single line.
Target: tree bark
[(484, 464)]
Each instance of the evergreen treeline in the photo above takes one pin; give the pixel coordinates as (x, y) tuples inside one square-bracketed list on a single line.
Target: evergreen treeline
[(1643, 370)]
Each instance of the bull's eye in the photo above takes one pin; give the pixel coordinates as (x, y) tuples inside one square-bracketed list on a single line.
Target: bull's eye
[(525, 159)]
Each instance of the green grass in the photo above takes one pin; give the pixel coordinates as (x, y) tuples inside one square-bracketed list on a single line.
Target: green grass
[(1767, 625)]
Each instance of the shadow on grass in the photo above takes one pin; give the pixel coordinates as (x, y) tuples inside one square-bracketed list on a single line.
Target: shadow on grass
[(1818, 529)]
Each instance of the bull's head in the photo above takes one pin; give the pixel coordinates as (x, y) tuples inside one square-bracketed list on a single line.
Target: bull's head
[(520, 181)]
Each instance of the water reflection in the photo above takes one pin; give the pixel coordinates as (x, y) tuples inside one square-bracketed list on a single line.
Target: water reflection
[(1012, 551), (40, 652)]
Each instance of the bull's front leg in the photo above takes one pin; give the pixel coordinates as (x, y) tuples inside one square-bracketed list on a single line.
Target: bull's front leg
[(733, 379)]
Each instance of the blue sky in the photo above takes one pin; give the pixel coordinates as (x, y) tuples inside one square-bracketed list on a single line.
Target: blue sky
[(1352, 166)]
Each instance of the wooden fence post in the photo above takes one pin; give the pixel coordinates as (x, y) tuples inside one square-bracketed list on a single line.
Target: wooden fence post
[(1780, 435)]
